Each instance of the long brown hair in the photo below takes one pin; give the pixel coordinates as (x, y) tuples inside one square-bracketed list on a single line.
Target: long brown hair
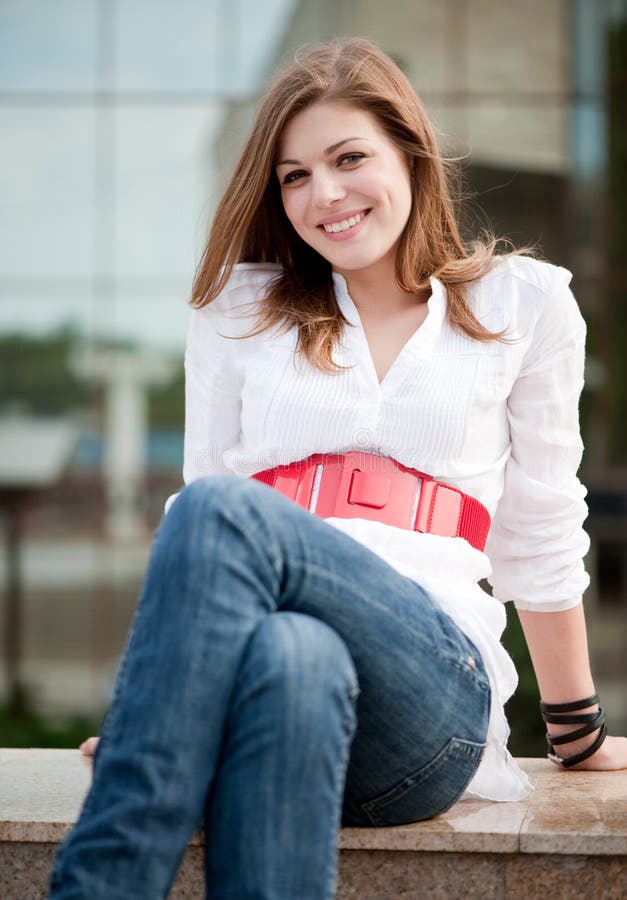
[(250, 224)]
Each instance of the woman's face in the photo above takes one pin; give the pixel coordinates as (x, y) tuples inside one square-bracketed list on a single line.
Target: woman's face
[(345, 186)]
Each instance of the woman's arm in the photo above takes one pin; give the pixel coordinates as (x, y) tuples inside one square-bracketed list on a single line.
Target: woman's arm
[(558, 646), (537, 543)]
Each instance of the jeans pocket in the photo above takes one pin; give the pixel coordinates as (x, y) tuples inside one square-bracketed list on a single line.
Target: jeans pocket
[(430, 790)]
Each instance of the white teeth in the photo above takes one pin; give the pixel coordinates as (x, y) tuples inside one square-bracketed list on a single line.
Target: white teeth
[(345, 224)]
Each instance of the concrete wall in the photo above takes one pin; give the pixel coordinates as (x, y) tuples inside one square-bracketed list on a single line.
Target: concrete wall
[(495, 76)]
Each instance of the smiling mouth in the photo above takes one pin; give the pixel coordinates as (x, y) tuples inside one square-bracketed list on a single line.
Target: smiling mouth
[(345, 224)]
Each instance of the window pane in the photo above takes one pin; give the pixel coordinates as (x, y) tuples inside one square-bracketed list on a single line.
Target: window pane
[(146, 312), (163, 188), (195, 45), (46, 192), (39, 307), (149, 313), (166, 46), (46, 46)]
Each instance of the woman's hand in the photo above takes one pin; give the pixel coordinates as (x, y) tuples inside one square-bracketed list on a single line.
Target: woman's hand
[(558, 645), (611, 755), (88, 747)]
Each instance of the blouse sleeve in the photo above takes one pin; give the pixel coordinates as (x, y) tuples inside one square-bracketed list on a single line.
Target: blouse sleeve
[(212, 395), (537, 543)]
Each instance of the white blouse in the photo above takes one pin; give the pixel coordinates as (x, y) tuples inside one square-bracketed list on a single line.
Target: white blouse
[(498, 420)]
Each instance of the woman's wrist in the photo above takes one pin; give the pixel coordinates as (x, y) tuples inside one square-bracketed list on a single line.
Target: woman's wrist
[(583, 719)]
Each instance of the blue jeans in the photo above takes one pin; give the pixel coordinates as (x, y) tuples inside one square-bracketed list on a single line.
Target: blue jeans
[(280, 679)]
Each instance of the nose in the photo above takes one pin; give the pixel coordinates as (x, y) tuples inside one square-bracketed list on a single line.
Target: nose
[(326, 188)]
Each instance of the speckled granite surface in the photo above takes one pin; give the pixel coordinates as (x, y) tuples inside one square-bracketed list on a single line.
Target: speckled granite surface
[(568, 813), (568, 839)]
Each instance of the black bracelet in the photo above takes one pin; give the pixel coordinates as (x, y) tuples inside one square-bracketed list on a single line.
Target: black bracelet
[(568, 707), (557, 714)]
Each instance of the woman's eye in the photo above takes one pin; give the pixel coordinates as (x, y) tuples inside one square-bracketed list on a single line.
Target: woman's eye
[(291, 177), (350, 158)]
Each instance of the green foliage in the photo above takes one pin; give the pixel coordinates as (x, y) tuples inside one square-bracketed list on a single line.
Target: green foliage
[(523, 710), (166, 404), (617, 235), (33, 730), (36, 375), (35, 372)]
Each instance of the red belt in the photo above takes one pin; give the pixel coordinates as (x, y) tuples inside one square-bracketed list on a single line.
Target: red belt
[(368, 486)]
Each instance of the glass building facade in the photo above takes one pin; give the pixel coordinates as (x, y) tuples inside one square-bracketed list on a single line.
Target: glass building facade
[(119, 122)]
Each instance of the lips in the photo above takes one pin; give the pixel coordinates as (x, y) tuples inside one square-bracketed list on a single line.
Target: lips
[(343, 221)]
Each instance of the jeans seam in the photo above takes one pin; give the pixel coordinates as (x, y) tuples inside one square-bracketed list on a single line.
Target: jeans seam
[(476, 674), (455, 747), (348, 725)]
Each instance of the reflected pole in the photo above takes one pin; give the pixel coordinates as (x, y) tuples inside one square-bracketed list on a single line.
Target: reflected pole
[(12, 502)]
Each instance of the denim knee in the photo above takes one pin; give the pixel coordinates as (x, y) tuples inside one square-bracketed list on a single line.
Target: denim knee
[(210, 490), (217, 493), (308, 664)]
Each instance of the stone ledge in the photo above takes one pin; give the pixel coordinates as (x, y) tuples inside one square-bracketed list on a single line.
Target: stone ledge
[(570, 813), (574, 822), (573, 813)]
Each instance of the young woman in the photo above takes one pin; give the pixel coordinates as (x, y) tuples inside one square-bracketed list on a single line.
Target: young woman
[(293, 668)]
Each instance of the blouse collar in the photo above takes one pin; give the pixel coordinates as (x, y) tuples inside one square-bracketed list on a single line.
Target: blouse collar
[(436, 303)]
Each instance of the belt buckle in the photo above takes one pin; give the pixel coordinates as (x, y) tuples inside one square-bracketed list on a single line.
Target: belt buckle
[(367, 486)]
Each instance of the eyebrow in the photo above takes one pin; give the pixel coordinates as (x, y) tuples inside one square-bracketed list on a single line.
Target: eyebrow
[(327, 152)]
